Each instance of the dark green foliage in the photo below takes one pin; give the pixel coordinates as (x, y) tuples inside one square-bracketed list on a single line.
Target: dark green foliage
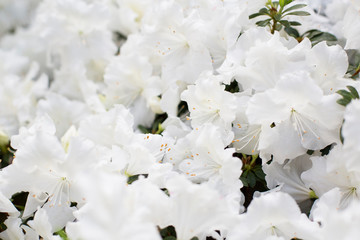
[(134, 178), (19, 200), (168, 233), (6, 155), (347, 96), (326, 150), (276, 11), (354, 63), (253, 177), (155, 128), (233, 87), (3, 217), (317, 36)]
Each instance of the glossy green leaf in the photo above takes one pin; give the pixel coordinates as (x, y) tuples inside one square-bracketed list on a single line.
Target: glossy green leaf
[(251, 179), (298, 13), (353, 92), (292, 32), (294, 23), (263, 23), (264, 11), (343, 102), (285, 23), (297, 6), (256, 15), (282, 3), (345, 94)]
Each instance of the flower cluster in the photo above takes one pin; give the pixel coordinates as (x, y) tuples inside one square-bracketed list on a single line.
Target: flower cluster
[(179, 119)]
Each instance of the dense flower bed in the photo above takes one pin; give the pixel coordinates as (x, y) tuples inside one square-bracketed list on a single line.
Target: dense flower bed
[(179, 119)]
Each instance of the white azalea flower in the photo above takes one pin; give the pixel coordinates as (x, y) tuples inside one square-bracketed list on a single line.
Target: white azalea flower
[(210, 160), (336, 222), (295, 116), (246, 139), (257, 60), (42, 166), (83, 31), (350, 129), (109, 128), (196, 210), (19, 96), (288, 176), (127, 15), (351, 26), (208, 102), (130, 82), (57, 107), (328, 66), (176, 41), (274, 214), (111, 212), (13, 231), (42, 226), (322, 177)]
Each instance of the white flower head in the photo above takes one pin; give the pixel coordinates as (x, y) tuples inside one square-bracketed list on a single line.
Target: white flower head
[(208, 102)]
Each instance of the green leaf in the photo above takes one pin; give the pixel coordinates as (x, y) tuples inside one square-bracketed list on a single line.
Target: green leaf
[(260, 173), (311, 33), (326, 150), (256, 15), (170, 238), (277, 17), (345, 94), (294, 23), (278, 27), (317, 36), (244, 181), (292, 32), (263, 23), (323, 36), (167, 232), (282, 3), (285, 23), (264, 10), (310, 152), (251, 179), (62, 234), (298, 13), (343, 102), (353, 92), (297, 6), (143, 129), (132, 179)]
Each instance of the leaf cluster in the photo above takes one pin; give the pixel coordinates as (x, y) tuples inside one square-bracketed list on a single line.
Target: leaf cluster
[(354, 63), (276, 11), (252, 171), (316, 36), (347, 96)]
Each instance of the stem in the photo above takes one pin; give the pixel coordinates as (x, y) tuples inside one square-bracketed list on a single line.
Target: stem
[(356, 72), (254, 157), (273, 28)]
